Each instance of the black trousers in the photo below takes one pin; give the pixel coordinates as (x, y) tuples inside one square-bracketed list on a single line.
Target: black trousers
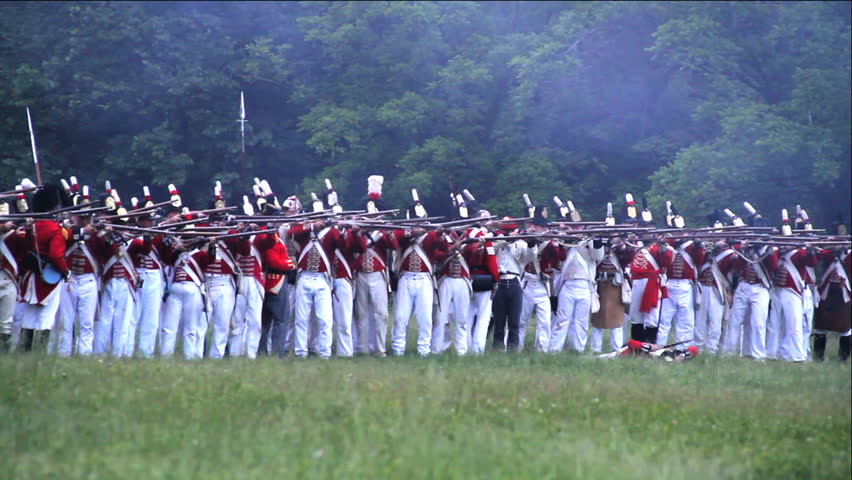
[(507, 311), (274, 318)]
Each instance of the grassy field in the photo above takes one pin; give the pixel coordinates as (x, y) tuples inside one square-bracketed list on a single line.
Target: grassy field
[(497, 416)]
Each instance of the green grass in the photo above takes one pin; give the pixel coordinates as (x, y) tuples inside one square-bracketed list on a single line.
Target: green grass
[(497, 416)]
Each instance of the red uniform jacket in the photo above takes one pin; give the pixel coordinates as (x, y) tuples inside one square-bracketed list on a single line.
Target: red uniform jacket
[(800, 259), (276, 261), (435, 248), (641, 267), (746, 272), (374, 246), (482, 260), (78, 262), (329, 239), (12, 253), (680, 268), (344, 258), (50, 243)]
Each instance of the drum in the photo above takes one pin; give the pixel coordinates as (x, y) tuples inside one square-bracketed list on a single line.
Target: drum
[(482, 282)]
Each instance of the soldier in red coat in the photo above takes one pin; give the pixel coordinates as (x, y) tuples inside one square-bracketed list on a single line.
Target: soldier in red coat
[(371, 292), (276, 313), (342, 295), (784, 328), (647, 272), (678, 307), (481, 257), (415, 292), (45, 270), (79, 301), (11, 256), (750, 307), (834, 313), (313, 286)]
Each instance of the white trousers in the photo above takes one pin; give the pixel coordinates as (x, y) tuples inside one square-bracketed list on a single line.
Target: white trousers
[(42, 317), (572, 316), (616, 338), (679, 308), (8, 299), (708, 320), (147, 313), (185, 306), (116, 309), (289, 339), (414, 294), (17, 323), (371, 308), (749, 311), (313, 291), (245, 323), (454, 295), (784, 327), (649, 319), (536, 302), (807, 319), (223, 295), (342, 302), (480, 309), (78, 306)]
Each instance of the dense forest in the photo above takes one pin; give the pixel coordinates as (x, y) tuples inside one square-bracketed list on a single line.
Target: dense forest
[(706, 104)]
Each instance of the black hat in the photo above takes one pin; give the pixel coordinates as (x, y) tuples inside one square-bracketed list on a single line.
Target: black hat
[(838, 226), (50, 197), (715, 216), (540, 216)]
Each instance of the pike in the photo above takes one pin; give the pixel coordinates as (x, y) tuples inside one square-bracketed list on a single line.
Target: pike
[(242, 121), (35, 152)]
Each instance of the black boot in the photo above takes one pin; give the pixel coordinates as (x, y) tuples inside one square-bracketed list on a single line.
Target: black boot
[(651, 334), (844, 348), (40, 340), (637, 332), (819, 347), (26, 341), (5, 342)]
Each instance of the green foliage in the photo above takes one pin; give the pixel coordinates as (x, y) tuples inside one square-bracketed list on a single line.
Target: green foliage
[(706, 104)]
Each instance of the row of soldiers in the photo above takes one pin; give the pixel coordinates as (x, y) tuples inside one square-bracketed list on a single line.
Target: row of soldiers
[(300, 284)]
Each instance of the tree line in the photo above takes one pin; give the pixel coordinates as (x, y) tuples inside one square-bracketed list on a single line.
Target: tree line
[(706, 104)]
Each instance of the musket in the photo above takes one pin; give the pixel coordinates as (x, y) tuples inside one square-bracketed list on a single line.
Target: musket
[(72, 210), (419, 221), (577, 223), (213, 211), (186, 222), (135, 213), (733, 228), (512, 238), (35, 152), (800, 244), (466, 221), (239, 234), (153, 231), (15, 193)]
